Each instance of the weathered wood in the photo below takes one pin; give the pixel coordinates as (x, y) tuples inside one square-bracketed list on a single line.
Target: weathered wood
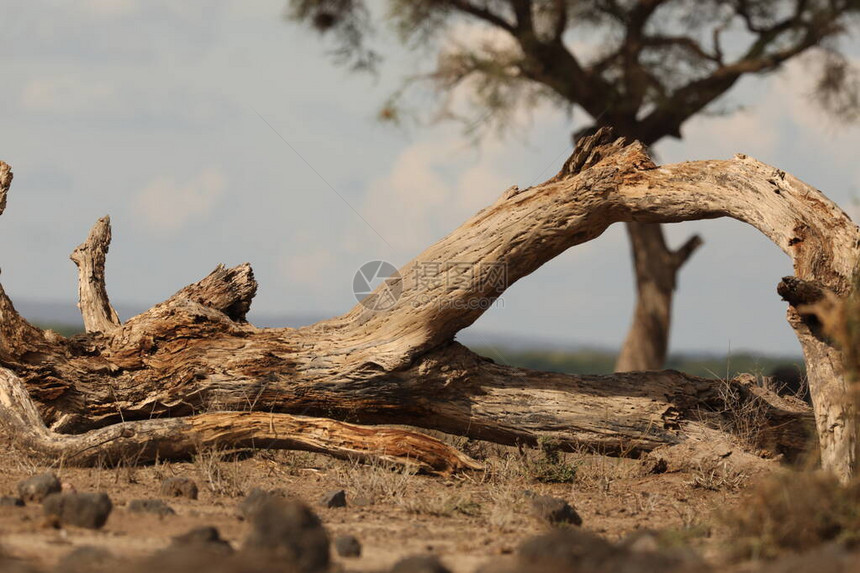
[(179, 359), (5, 183), (226, 290), (89, 257), (178, 438), (194, 352), (17, 336)]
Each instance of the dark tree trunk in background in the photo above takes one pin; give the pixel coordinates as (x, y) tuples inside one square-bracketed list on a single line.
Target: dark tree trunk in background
[(656, 268)]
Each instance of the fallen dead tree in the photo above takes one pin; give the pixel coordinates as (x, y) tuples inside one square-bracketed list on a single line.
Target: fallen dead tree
[(192, 371)]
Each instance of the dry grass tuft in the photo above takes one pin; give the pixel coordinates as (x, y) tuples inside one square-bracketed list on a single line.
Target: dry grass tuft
[(717, 475), (743, 416), (377, 480), (222, 472), (442, 504), (795, 512), (598, 472)]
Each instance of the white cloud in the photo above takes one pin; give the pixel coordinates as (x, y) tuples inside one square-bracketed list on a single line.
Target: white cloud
[(485, 37), (794, 90), (432, 188), (753, 130), (746, 131), (480, 185), (436, 184), (166, 205), (796, 86), (404, 206), (66, 94), (312, 269)]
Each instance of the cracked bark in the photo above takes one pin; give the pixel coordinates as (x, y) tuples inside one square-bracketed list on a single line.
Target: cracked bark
[(195, 355)]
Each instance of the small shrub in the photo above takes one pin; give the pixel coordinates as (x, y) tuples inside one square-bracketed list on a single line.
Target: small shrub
[(551, 467)]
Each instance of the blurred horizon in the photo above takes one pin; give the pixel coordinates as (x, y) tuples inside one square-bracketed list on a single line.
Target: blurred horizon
[(66, 319)]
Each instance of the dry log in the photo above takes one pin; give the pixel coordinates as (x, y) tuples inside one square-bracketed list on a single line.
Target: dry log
[(195, 352), (176, 438)]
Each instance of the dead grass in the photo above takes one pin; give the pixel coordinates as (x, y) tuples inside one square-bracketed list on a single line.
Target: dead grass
[(442, 504), (377, 480), (742, 416), (795, 511), (717, 475), (600, 473), (221, 472), (505, 508)]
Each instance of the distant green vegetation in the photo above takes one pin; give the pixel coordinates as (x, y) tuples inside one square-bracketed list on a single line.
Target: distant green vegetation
[(63, 329), (602, 362)]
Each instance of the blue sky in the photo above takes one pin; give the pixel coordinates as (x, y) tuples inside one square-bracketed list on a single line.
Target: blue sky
[(151, 112)]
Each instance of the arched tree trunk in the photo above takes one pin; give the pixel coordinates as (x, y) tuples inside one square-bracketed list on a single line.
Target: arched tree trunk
[(194, 355)]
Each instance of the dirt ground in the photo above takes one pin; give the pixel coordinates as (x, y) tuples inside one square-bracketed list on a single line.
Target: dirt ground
[(466, 520)]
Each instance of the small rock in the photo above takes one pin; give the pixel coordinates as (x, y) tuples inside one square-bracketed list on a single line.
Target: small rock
[(290, 531), (420, 564), (568, 550), (155, 506), (179, 487), (89, 510), (206, 538), (37, 488), (565, 549), (554, 511), (255, 499), (11, 501), (89, 559), (644, 541), (334, 498), (347, 546)]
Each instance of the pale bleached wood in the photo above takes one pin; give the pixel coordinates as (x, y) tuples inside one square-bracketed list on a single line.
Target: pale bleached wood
[(399, 365), (89, 257)]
